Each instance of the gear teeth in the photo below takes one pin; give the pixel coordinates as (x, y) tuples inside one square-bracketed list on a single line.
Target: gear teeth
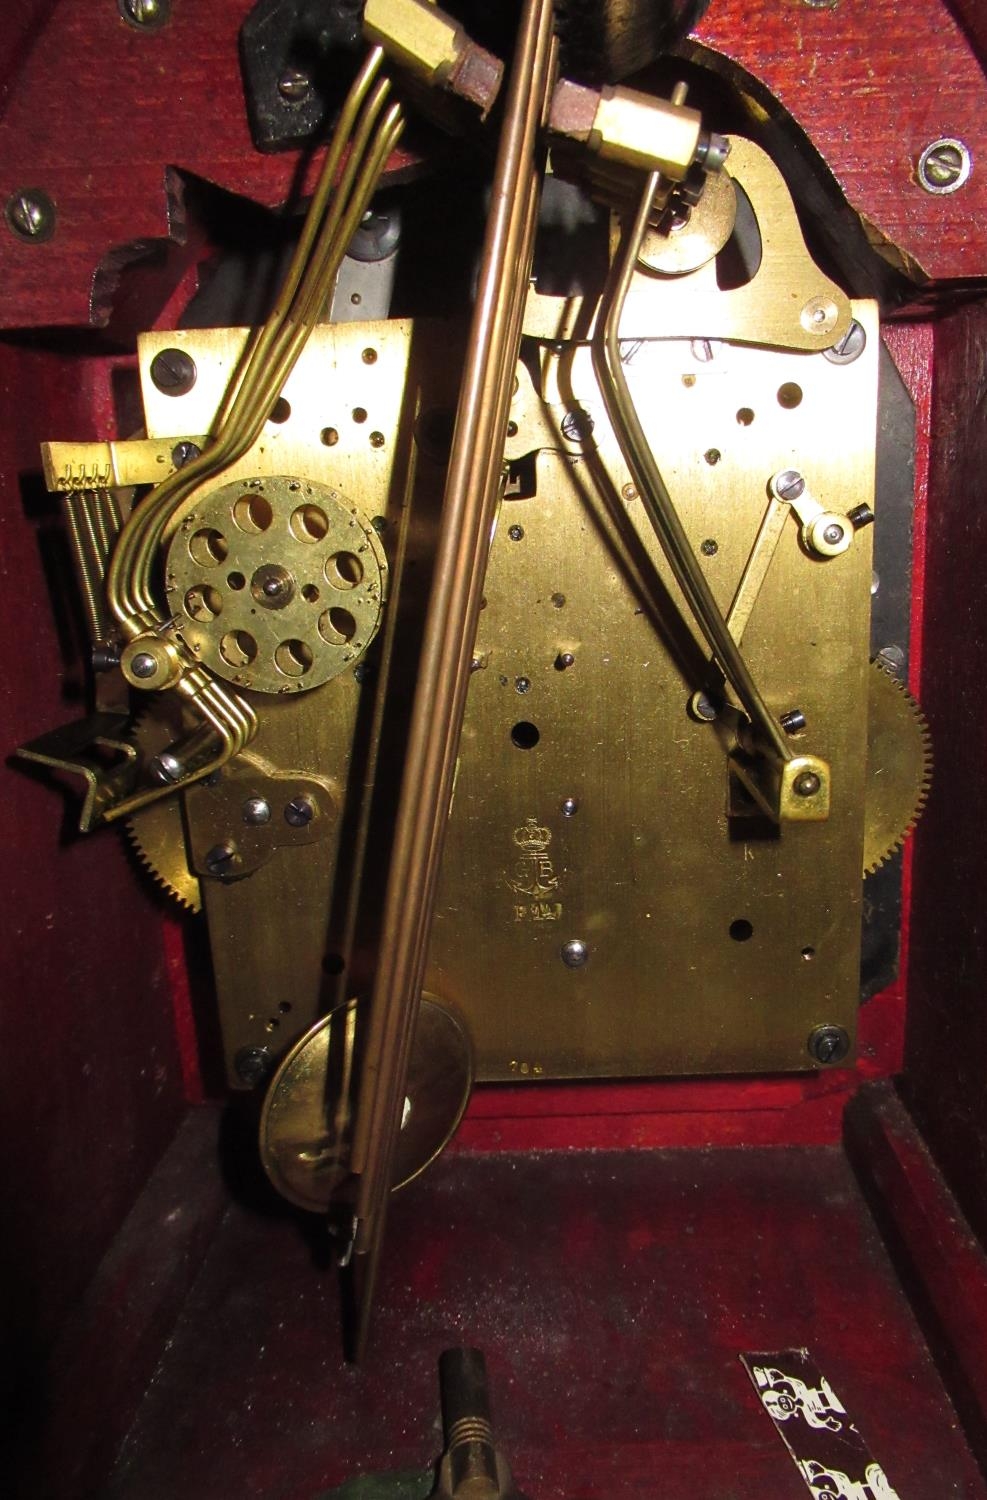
[(187, 897), (156, 834), (895, 719)]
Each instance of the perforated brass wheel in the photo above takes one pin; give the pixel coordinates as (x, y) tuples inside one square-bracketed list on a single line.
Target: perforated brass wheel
[(277, 583)]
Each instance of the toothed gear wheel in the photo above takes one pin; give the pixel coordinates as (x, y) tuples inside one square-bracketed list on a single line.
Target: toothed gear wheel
[(899, 767), (157, 832)]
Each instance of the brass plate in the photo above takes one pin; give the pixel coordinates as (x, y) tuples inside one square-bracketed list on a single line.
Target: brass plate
[(712, 947), (647, 873), (305, 1125), (788, 302), (351, 408)]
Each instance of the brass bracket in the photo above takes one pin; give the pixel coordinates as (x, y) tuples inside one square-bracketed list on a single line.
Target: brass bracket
[(93, 748), (110, 466), (793, 791)]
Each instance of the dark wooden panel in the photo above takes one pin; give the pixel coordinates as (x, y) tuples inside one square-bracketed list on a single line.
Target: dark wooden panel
[(91, 1083), (94, 1379), (946, 1052), (612, 1293), (938, 1258)]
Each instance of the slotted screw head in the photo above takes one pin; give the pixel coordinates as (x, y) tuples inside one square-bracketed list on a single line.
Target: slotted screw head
[(789, 484), (183, 453), (299, 812), (944, 166), (829, 1044), (294, 86), (30, 213), (850, 347), (222, 859), (147, 15), (173, 372), (577, 425)]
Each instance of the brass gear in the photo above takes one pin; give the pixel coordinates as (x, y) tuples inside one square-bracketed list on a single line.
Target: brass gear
[(157, 832), (899, 767), (277, 584)]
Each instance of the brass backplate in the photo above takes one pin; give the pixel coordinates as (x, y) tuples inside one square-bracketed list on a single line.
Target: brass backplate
[(590, 812), (710, 945)]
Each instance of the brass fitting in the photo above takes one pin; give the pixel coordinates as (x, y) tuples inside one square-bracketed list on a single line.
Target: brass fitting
[(150, 663), (635, 129), (417, 35), (433, 47)]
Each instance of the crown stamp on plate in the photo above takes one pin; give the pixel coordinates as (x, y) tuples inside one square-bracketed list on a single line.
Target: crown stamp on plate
[(532, 837)]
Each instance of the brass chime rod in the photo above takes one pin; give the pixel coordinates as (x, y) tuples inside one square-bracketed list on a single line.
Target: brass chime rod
[(655, 498), (471, 493)]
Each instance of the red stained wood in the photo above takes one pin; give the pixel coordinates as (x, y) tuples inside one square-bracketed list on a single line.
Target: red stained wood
[(612, 1293), (938, 1254), (947, 1027), (91, 1085), (141, 103), (872, 82), (97, 116)]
